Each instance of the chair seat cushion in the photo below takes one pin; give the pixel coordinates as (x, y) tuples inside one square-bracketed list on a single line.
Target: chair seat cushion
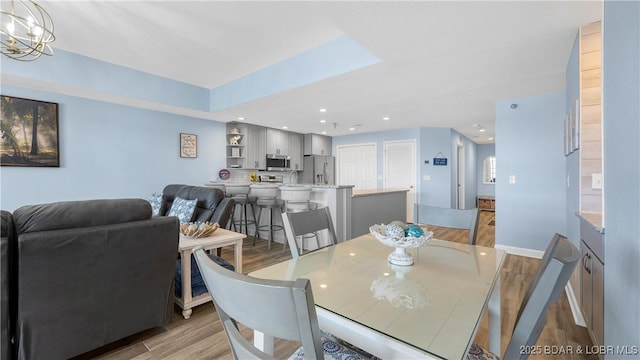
[(198, 286), (478, 353), (335, 349)]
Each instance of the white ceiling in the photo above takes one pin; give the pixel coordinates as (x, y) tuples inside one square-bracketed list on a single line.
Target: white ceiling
[(443, 64)]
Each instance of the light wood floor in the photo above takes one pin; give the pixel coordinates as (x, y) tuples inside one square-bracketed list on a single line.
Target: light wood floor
[(202, 336)]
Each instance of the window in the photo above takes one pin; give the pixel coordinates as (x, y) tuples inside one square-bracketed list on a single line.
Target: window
[(489, 170)]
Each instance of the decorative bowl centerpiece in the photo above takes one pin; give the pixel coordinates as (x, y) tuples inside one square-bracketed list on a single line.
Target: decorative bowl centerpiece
[(393, 235), (198, 229)]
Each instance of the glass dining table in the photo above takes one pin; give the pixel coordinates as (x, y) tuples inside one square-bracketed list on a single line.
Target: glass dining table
[(431, 309)]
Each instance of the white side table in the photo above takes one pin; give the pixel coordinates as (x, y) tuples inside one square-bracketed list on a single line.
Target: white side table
[(220, 238)]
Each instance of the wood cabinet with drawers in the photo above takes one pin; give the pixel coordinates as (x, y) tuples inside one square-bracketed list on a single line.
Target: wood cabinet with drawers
[(487, 202)]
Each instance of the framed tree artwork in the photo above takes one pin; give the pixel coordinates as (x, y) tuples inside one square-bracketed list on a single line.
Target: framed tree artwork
[(29, 130)]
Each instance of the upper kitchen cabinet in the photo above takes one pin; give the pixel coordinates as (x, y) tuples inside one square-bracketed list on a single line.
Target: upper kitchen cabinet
[(295, 150), (255, 156), (315, 144), (277, 142)]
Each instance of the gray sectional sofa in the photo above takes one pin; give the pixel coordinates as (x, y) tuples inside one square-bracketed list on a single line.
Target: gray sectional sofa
[(78, 275)]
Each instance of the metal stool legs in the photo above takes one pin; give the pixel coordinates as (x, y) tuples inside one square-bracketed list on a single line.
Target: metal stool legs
[(244, 219), (271, 227)]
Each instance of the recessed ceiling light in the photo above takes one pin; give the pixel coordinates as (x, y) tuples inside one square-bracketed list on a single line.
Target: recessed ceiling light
[(285, 127), (324, 132), (351, 128), (385, 118), (241, 118), (323, 121), (490, 139), (323, 110), (482, 130), (476, 125)]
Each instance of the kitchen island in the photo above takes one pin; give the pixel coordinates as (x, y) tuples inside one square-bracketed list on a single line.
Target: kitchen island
[(352, 211), (376, 206), (338, 199)]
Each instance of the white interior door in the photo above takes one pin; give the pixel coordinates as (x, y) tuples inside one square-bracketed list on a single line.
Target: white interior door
[(400, 169), (460, 177), (357, 165)]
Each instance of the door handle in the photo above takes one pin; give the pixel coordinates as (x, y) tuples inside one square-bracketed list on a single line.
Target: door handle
[(586, 260)]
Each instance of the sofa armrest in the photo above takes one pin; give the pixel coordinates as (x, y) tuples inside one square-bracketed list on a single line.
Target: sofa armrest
[(223, 212)]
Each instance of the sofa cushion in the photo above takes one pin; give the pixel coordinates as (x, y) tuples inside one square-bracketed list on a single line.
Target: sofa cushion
[(79, 214), (183, 209), (208, 199), (169, 194), (156, 203)]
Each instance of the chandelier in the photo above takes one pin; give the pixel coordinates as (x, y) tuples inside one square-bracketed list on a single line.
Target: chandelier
[(26, 30)]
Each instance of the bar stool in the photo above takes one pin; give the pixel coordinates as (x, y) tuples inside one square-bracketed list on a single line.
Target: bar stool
[(239, 192), (267, 199), (297, 199)]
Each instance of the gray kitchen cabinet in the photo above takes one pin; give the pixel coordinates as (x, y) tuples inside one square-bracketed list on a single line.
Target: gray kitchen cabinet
[(255, 150), (592, 280), (277, 142), (295, 151), (315, 144)]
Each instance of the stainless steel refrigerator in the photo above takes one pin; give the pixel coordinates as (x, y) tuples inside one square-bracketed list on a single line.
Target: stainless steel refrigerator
[(318, 169)]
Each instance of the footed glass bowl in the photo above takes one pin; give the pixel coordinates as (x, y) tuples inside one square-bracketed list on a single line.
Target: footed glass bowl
[(400, 255)]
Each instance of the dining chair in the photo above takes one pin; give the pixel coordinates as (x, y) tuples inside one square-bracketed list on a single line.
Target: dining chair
[(555, 269), (450, 218), (286, 311), (297, 224)]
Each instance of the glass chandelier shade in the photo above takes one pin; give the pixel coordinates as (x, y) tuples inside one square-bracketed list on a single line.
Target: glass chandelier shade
[(26, 30)]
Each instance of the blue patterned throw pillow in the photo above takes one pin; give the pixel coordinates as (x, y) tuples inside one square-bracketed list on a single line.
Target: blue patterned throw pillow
[(183, 209), (156, 203)]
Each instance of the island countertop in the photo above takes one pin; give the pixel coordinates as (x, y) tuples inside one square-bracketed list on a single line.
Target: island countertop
[(370, 192), (317, 186)]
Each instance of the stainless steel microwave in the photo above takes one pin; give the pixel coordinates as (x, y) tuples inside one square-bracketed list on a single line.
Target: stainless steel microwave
[(278, 162)]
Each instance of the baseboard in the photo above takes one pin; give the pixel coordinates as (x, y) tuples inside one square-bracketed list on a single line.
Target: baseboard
[(574, 304), (536, 254)]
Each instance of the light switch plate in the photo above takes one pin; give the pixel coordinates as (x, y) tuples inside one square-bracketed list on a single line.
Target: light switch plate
[(512, 179), (596, 181), (426, 177)]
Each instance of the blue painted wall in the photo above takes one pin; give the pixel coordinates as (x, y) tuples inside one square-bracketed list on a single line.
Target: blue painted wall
[(438, 190), (621, 119), (530, 147), (484, 151), (113, 151)]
